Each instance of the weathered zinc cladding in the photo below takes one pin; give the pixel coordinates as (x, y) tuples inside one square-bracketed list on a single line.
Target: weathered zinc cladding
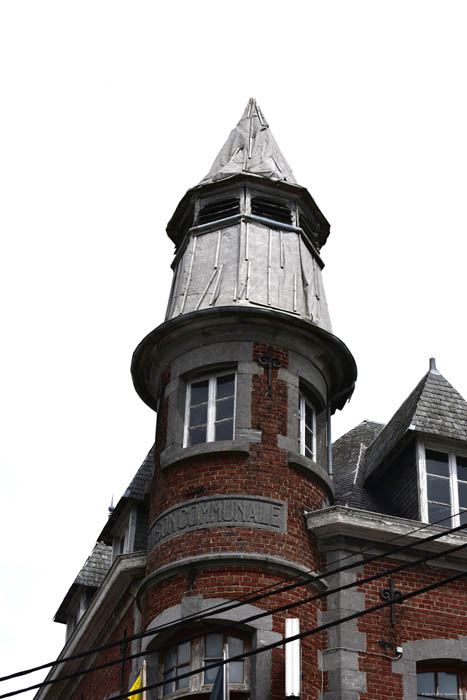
[(250, 148)]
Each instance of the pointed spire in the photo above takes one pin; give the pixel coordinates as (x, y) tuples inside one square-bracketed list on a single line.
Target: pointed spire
[(250, 148)]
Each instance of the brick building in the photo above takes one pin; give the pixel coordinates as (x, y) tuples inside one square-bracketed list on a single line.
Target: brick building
[(242, 490)]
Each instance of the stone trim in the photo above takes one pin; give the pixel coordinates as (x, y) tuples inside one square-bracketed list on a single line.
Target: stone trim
[(219, 559), (341, 659), (380, 528), (198, 514), (261, 635), (442, 650), (301, 462), (177, 454), (101, 615)]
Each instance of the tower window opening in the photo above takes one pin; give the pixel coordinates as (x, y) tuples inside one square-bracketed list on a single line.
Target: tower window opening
[(306, 427), (271, 209), (219, 209), (203, 651), (210, 410)]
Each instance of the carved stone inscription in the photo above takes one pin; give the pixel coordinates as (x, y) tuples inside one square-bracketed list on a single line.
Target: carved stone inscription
[(220, 511)]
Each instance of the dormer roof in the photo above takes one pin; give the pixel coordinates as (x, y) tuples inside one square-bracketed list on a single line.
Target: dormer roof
[(91, 575), (138, 488), (433, 408), (250, 149)]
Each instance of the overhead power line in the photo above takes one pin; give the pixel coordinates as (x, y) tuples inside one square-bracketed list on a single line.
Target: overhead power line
[(225, 607), (281, 642), (264, 613)]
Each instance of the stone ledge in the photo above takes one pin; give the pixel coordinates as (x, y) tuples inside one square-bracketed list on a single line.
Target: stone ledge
[(266, 562), (301, 462), (174, 455)]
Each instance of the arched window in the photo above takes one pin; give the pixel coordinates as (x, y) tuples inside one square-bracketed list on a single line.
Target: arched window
[(182, 657), (440, 682)]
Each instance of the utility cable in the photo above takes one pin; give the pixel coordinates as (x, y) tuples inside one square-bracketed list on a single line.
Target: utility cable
[(264, 613), (281, 642), (225, 607)]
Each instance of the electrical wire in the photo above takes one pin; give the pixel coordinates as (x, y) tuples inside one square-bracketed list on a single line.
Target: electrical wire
[(244, 600), (264, 613), (281, 642)]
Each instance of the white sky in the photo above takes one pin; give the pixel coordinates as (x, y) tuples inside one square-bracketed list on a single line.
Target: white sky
[(109, 112)]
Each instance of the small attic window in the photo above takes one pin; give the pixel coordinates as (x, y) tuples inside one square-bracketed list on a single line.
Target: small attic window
[(219, 209), (271, 209)]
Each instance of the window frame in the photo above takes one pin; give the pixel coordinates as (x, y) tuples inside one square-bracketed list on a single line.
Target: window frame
[(211, 408), (303, 401), (460, 671), (452, 453), (196, 682)]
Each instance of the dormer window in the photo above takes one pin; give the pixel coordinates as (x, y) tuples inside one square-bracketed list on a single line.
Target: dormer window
[(443, 477), (210, 409)]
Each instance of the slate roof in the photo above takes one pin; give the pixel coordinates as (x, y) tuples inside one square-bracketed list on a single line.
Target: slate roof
[(250, 148), (434, 407), (348, 457), (91, 575), (138, 488)]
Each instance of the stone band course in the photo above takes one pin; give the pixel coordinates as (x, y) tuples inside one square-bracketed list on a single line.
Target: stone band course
[(219, 511)]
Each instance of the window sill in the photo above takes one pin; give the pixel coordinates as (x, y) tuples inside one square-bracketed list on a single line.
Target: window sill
[(298, 461), (174, 455)]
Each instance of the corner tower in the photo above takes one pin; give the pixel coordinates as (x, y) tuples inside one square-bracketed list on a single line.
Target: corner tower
[(244, 374)]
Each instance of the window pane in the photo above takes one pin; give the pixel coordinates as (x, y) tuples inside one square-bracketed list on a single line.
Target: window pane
[(224, 409), (462, 486), (463, 517), (437, 463), (438, 489), (235, 646), (308, 439), (214, 646), (447, 684), (236, 672), (199, 392), (225, 386), (308, 416), (437, 512), (196, 435), (426, 682), (461, 468), (199, 415), (224, 430), (210, 674), (170, 658), (183, 653), (183, 682)]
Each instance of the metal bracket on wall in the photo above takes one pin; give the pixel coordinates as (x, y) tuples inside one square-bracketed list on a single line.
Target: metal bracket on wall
[(270, 363), (393, 595)]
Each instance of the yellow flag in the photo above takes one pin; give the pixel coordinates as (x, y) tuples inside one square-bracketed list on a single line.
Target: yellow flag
[(136, 686)]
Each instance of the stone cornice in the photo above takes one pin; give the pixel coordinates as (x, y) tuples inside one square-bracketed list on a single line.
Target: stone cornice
[(99, 617), (351, 523)]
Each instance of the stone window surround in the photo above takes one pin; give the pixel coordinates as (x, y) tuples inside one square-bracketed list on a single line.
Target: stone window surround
[(260, 630), (426, 650), (210, 424), (219, 356)]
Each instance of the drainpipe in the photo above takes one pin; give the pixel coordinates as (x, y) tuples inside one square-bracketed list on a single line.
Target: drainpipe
[(329, 441)]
